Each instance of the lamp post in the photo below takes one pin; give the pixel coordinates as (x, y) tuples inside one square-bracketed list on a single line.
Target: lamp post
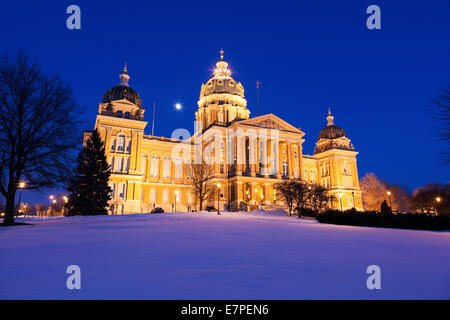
[(176, 195), (340, 200), (218, 198), (66, 199), (21, 186), (390, 203), (353, 197), (438, 200)]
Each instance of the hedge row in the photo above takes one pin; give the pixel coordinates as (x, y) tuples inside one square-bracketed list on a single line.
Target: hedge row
[(375, 219)]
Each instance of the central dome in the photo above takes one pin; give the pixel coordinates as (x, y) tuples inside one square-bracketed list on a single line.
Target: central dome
[(222, 82), (123, 91)]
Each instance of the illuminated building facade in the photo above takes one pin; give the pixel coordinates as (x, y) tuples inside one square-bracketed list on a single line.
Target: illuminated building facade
[(249, 155)]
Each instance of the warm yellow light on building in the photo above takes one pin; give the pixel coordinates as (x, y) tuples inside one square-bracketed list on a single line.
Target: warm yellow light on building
[(22, 185), (389, 193), (438, 199)]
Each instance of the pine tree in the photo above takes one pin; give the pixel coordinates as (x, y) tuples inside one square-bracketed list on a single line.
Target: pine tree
[(88, 188)]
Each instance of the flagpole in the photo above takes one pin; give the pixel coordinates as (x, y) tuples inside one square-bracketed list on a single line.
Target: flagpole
[(257, 97), (153, 122)]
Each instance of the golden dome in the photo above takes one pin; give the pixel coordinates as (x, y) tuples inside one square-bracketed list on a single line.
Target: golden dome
[(222, 82)]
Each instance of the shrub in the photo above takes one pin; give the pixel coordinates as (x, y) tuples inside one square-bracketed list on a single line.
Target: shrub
[(210, 208), (376, 219), (158, 210)]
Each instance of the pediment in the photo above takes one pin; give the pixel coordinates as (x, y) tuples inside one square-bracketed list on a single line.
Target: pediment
[(270, 121)]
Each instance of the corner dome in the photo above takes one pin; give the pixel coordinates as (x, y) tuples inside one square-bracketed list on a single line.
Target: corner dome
[(122, 91), (331, 131)]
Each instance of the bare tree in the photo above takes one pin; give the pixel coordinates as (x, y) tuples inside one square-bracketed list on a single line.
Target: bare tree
[(318, 197), (287, 191), (301, 195), (441, 112), (433, 197), (38, 128), (200, 177), (374, 192), (400, 198)]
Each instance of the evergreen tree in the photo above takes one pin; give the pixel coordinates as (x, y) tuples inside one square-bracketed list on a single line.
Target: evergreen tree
[(88, 188)]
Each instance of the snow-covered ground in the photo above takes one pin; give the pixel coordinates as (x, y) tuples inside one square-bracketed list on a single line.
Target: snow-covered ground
[(255, 255)]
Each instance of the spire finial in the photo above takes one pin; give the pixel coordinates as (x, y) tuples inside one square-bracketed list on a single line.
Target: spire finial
[(221, 54), (124, 77), (330, 118)]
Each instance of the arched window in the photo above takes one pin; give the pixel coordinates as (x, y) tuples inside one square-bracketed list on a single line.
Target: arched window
[(222, 167), (129, 146), (127, 164), (178, 169), (113, 145), (127, 115), (166, 195), (285, 168), (154, 166), (153, 195), (121, 142), (119, 113), (166, 167), (122, 190), (111, 164), (113, 189), (119, 164), (144, 164)]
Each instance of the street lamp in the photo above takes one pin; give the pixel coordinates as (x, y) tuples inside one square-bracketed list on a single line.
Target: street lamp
[(176, 196), (353, 196), (21, 187), (390, 203), (438, 200), (218, 198), (340, 199)]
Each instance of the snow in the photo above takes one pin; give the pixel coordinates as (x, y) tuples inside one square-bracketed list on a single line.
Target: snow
[(254, 255)]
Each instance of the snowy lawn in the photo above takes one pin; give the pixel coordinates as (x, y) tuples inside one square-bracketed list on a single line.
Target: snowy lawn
[(231, 256)]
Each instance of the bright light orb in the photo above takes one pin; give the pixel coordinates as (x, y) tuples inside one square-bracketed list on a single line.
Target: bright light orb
[(178, 106)]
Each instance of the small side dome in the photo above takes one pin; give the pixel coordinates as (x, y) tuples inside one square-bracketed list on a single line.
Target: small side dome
[(331, 131), (123, 91)]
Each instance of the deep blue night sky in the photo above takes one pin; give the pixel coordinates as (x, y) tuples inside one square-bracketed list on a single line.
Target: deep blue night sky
[(308, 55)]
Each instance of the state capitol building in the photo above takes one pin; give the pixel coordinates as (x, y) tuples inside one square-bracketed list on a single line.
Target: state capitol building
[(248, 155)]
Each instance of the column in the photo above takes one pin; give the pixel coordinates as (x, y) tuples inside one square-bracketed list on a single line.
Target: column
[(289, 159), (238, 155), (216, 153), (253, 194), (252, 155), (264, 155), (278, 159), (300, 160)]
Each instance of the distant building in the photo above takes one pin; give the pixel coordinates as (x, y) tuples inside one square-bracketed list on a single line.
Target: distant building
[(249, 155)]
